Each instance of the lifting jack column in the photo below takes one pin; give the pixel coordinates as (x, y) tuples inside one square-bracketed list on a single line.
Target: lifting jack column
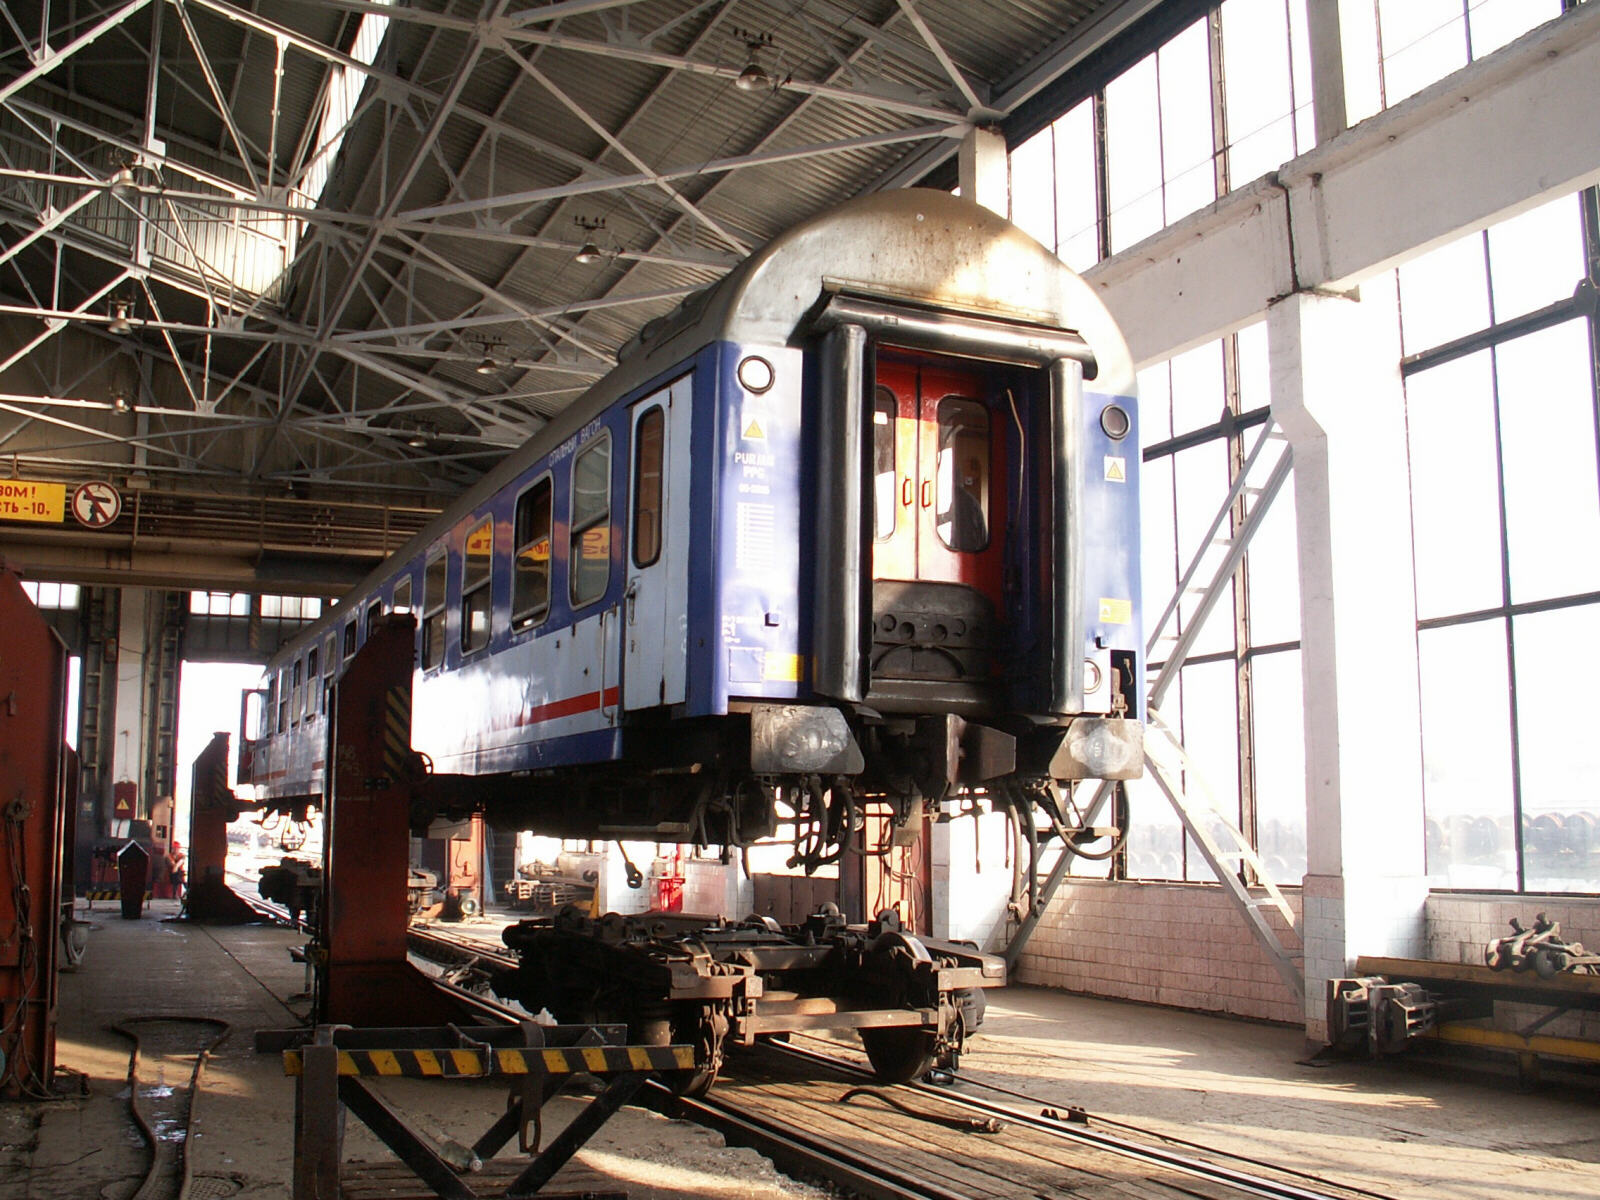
[(362, 973)]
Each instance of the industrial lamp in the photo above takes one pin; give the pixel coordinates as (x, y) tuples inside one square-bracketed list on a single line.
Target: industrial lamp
[(754, 77), (590, 251), (119, 318), (490, 364)]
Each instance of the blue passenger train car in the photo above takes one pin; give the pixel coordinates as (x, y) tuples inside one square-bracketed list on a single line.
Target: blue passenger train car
[(857, 524)]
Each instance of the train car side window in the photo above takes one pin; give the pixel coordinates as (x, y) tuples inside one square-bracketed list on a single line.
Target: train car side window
[(649, 444), (884, 507), (269, 715), (476, 596), (296, 693), (330, 663), (589, 562), (350, 639), (530, 587), (313, 682), (402, 595), (963, 475), (433, 611), (283, 701), (374, 615)]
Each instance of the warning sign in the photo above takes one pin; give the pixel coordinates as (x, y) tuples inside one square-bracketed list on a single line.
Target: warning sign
[(1116, 612), (27, 500), (96, 505), (1116, 469), (754, 433)]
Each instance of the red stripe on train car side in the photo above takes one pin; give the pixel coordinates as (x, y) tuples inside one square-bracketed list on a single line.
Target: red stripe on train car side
[(570, 707)]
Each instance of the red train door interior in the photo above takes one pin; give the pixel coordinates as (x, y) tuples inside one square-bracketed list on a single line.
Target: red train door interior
[(938, 486)]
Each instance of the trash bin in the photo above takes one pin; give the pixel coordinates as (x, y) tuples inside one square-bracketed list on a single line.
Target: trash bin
[(133, 874)]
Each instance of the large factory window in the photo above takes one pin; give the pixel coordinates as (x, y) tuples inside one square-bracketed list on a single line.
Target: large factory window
[(433, 581), (647, 466), (1226, 101), (1501, 401), (477, 603), (1237, 702), (589, 559), (530, 588)]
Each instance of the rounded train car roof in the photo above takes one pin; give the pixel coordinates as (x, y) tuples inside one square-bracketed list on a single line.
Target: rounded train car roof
[(916, 244)]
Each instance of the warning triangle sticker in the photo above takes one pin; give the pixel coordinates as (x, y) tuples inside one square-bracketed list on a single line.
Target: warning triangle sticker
[(1116, 471), (753, 432)]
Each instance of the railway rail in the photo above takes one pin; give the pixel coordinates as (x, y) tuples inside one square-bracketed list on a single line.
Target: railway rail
[(822, 1117)]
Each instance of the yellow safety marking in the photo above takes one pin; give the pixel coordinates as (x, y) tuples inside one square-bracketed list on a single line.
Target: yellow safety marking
[(512, 1062), (428, 1063), (1116, 612), (754, 433), (348, 1064), (467, 1062), (1116, 469), (639, 1058), (385, 1063), (685, 1056), (782, 668), (555, 1062), (594, 1058)]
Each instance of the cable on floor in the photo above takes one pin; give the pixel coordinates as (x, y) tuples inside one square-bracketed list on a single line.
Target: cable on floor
[(159, 1148), (963, 1124)]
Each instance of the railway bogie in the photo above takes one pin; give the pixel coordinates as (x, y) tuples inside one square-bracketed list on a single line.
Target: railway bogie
[(673, 977)]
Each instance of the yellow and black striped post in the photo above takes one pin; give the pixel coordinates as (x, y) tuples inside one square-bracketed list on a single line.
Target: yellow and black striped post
[(477, 1063)]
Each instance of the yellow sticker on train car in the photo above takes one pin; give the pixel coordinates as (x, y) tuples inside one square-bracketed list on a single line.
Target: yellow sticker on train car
[(1116, 612), (781, 668)]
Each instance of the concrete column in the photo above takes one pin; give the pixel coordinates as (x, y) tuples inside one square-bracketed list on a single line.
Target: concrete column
[(983, 170), (1327, 68), (1336, 392), (128, 731)]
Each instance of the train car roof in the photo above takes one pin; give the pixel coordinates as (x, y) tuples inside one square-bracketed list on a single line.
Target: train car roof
[(921, 245)]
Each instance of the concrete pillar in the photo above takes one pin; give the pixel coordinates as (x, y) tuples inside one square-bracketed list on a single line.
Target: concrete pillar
[(1327, 68), (1336, 392), (128, 734), (983, 170)]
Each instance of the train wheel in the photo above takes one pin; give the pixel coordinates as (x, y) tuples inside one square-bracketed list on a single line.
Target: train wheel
[(899, 1053)]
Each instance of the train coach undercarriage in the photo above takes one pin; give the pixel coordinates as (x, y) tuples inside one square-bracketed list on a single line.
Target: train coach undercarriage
[(680, 979)]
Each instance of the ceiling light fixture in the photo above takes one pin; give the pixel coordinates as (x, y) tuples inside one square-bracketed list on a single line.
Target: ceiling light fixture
[(119, 318), (122, 178), (754, 77), (590, 251), (119, 403), (490, 362)]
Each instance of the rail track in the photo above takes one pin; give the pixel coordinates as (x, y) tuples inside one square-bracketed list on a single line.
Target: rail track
[(822, 1117)]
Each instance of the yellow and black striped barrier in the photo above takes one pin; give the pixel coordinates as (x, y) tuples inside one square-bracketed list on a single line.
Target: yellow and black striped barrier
[(110, 894), (477, 1063)]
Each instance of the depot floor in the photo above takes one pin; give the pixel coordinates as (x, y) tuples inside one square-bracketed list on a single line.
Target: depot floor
[(1404, 1129)]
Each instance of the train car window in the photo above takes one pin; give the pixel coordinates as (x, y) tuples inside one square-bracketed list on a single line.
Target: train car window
[(530, 589), (433, 578), (476, 595), (350, 639), (648, 448), (402, 595), (296, 694), (269, 715), (963, 475), (313, 682), (283, 701), (589, 563), (883, 455), (330, 663), (374, 615)]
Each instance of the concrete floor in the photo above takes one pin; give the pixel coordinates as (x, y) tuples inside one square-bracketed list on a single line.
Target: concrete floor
[(1406, 1129)]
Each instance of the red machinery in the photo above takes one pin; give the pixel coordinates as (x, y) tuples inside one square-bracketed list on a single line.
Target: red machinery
[(34, 797)]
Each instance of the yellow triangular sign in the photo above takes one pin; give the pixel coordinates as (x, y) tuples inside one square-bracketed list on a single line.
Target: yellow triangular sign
[(1115, 471), (752, 433)]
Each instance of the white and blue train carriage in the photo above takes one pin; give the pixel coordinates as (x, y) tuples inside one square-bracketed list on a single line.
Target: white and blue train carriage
[(857, 524)]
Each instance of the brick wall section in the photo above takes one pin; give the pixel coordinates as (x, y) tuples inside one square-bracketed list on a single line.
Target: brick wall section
[(1185, 946)]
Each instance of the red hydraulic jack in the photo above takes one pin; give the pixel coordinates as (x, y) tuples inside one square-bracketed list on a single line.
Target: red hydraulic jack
[(212, 807), (363, 978), (34, 792)]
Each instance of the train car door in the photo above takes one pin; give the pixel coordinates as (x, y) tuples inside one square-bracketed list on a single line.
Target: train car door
[(654, 609), (939, 494)]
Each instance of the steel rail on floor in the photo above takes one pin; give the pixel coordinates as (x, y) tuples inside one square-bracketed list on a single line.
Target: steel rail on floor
[(1076, 1132)]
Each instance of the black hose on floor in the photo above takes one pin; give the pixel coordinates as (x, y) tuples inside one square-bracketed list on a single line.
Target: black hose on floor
[(159, 1149), (964, 1124)]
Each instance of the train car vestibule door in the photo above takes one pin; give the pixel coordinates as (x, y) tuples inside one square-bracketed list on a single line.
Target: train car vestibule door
[(938, 479), (654, 620)]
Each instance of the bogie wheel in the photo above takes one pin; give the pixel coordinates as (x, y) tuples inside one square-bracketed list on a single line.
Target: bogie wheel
[(1548, 963), (899, 1053)]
